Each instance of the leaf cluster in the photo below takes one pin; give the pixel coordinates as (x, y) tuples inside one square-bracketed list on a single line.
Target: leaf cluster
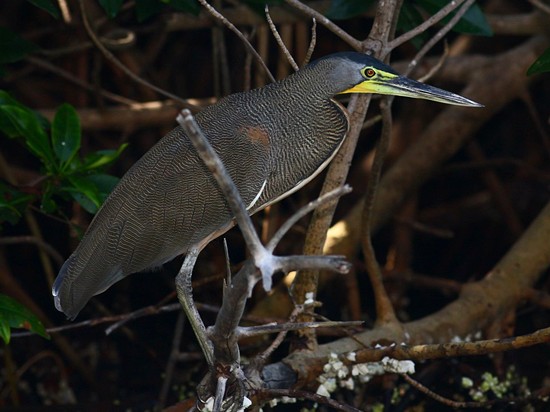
[(64, 173)]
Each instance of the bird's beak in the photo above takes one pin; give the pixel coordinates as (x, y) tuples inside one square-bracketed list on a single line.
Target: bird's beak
[(395, 85)]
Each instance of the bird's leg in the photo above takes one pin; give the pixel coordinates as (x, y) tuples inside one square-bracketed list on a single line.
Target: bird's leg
[(185, 296)]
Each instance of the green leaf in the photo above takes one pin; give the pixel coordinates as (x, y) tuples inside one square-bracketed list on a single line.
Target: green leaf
[(47, 204), (27, 125), (102, 158), (147, 8), (12, 204), (46, 5), (14, 315), (66, 133), (111, 7), (541, 65), (88, 204), (409, 18), (13, 46), (85, 192), (345, 9), (91, 191), (8, 213), (472, 22), (5, 332), (186, 6), (7, 100), (105, 184)]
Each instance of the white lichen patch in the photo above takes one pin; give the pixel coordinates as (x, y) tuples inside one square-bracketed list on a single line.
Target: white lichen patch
[(283, 399), (351, 356), (337, 374), (398, 366), (309, 298)]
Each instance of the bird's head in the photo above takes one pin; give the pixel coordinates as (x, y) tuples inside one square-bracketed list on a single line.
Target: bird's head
[(359, 73)]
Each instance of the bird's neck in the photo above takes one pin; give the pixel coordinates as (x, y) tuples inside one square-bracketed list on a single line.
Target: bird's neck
[(310, 82)]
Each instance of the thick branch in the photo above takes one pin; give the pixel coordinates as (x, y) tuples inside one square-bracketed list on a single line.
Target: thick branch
[(226, 185), (478, 305)]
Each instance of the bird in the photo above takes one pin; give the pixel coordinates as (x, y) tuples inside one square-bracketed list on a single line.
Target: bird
[(272, 140)]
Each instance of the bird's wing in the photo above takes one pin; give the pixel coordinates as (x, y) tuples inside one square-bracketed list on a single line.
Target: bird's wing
[(167, 202)]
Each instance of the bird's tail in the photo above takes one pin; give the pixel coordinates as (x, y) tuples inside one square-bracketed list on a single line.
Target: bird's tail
[(76, 284)]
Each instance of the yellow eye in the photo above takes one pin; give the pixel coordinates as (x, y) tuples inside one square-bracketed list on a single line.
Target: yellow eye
[(370, 73)]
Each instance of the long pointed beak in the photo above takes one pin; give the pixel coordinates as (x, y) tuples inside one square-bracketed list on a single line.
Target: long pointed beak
[(402, 86)]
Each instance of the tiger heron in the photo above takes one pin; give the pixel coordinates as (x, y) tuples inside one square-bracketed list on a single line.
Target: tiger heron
[(272, 140)]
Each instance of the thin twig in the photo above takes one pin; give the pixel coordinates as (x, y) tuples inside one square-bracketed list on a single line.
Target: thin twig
[(527, 99), (65, 12), (216, 14), (248, 331), (540, 5), (337, 30), (441, 14), (441, 399), (40, 243), (185, 296), (111, 57), (371, 122), (324, 199), (151, 310), (45, 354), (220, 393), (227, 262), (225, 183), (287, 264), (541, 397), (447, 350), (439, 35), (73, 79), (122, 320), (222, 84), (472, 404), (384, 309), (262, 357), (279, 40), (312, 42), (247, 65), (425, 228), (172, 360), (440, 62), (146, 311)]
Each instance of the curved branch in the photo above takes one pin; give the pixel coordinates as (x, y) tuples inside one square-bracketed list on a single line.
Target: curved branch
[(384, 309), (436, 18), (111, 57), (337, 30), (478, 305)]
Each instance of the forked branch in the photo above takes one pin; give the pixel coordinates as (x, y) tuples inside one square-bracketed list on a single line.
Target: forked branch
[(224, 357)]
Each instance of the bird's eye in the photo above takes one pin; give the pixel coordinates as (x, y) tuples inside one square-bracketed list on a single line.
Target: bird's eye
[(370, 73)]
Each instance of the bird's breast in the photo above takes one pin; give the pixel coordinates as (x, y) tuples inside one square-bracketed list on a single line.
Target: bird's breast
[(302, 143)]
